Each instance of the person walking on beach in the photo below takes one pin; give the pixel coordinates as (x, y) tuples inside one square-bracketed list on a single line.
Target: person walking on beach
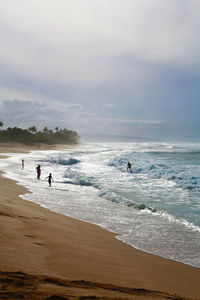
[(22, 164), (50, 178), (128, 166), (38, 171)]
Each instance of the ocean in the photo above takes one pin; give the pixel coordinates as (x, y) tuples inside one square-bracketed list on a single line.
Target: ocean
[(155, 207)]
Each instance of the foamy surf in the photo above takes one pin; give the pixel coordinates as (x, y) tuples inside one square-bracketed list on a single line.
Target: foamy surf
[(151, 208)]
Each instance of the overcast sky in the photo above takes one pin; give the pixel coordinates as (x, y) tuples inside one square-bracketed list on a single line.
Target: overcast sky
[(118, 67)]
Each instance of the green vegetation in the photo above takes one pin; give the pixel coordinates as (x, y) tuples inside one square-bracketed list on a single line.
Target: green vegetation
[(31, 136)]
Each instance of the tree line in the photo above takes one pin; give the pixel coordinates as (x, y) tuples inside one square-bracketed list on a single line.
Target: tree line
[(31, 135)]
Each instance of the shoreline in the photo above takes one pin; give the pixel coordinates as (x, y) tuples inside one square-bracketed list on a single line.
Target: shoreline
[(40, 242)]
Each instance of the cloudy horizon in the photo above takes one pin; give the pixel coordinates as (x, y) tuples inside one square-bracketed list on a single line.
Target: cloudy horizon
[(118, 68)]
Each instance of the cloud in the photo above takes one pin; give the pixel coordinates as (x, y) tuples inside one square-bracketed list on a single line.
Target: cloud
[(109, 105), (81, 63), (89, 41), (131, 121), (73, 116), (40, 114)]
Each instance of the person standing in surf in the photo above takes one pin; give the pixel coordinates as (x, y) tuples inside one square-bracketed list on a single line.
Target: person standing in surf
[(128, 166), (50, 178), (22, 164), (38, 171)]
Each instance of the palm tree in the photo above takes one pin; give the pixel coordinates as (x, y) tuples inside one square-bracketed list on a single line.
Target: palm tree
[(45, 129), (32, 129)]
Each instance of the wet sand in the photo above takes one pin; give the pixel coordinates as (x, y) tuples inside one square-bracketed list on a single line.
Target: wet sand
[(45, 255)]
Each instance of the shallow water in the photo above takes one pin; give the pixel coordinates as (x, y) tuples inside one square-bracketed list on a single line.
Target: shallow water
[(155, 207)]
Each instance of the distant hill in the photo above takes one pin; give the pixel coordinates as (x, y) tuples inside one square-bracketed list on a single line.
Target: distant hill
[(115, 138)]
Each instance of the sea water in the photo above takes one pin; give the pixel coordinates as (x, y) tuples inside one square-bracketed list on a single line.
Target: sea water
[(155, 207)]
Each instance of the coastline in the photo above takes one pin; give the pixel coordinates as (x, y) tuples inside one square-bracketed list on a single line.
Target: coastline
[(43, 243)]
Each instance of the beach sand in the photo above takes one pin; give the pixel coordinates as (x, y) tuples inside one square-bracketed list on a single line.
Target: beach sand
[(45, 255)]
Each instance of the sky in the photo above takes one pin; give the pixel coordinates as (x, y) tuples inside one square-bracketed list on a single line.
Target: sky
[(102, 67)]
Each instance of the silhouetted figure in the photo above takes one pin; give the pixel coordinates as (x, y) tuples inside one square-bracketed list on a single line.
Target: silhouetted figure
[(38, 171), (128, 166), (22, 164), (50, 178)]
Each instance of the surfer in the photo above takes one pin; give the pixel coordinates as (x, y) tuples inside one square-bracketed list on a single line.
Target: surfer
[(38, 171), (128, 166), (50, 178)]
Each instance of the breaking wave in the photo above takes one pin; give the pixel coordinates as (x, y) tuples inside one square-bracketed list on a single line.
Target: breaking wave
[(78, 178), (60, 160), (186, 177)]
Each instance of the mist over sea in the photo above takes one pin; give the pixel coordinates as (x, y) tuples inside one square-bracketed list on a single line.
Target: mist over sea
[(155, 207)]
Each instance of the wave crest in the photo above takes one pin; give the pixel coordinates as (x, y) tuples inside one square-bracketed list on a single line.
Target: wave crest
[(183, 176), (78, 178), (60, 160)]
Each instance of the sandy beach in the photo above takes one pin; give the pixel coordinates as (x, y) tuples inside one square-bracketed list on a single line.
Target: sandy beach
[(45, 255)]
